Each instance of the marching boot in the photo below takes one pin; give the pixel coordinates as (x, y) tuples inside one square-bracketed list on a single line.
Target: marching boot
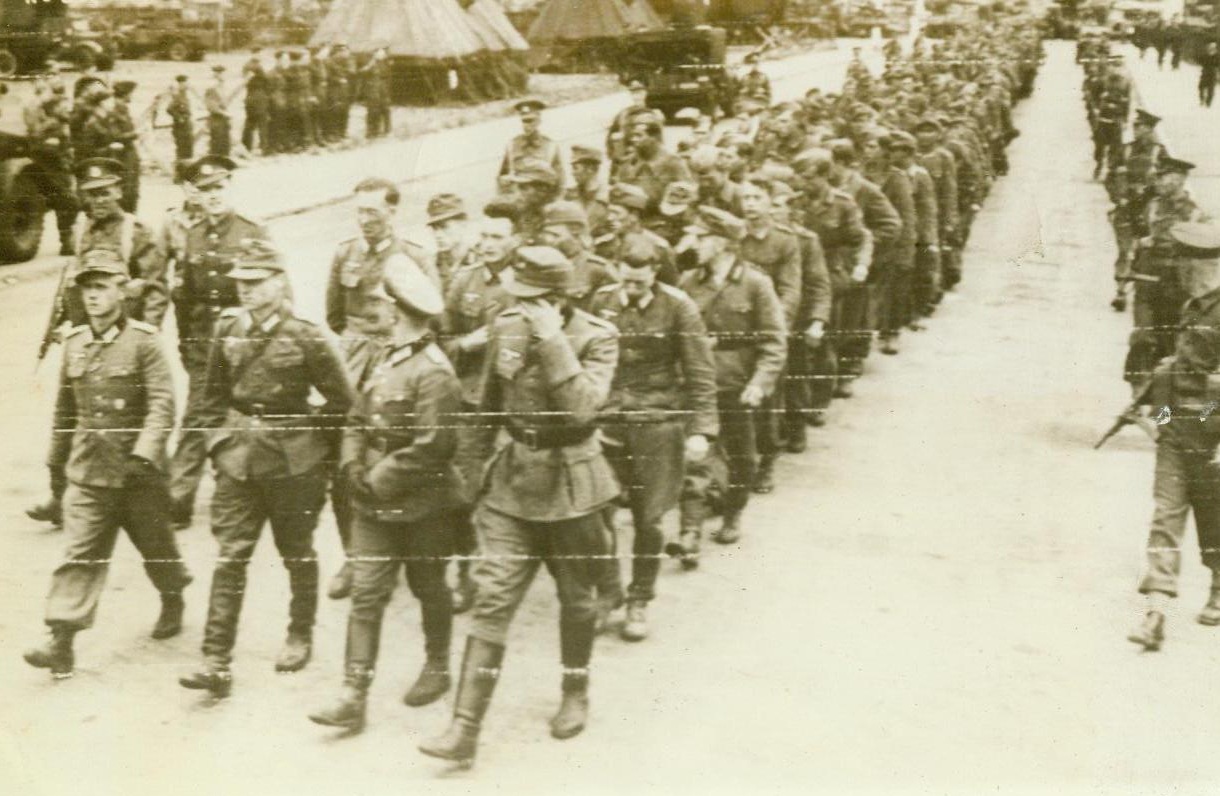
[(576, 645), (297, 650), (636, 626), (816, 418), (433, 680), (1119, 302), (764, 480), (1150, 633), (50, 510), (340, 586), (463, 593), (480, 670), (686, 549), (1210, 615), (349, 711), (169, 623), (213, 677), (181, 511), (730, 530), (55, 655)]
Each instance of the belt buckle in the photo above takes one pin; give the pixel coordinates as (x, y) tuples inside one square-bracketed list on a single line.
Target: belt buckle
[(530, 436), (258, 410)]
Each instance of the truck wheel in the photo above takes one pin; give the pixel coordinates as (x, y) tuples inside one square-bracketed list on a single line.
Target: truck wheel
[(176, 50), (8, 63), (82, 57), (21, 217)]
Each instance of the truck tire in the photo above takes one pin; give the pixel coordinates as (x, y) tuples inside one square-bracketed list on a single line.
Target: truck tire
[(8, 63), (22, 211), (82, 56)]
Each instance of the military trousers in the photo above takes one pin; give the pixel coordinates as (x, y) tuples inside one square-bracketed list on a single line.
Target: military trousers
[(240, 509), (648, 461), (853, 311), (191, 453), (93, 516), (1155, 313), (925, 280), (257, 126), (55, 184), (892, 289), (379, 551), (1186, 481), (740, 446), (184, 142), (796, 389), (220, 135), (513, 549)]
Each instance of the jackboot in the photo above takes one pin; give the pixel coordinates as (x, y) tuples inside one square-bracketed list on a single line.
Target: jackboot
[(169, 623), (297, 650), (1150, 633), (576, 646), (464, 591), (764, 479), (730, 529), (480, 670), (50, 510), (433, 680), (213, 677), (636, 626), (56, 654), (1210, 615), (686, 549), (349, 711), (181, 512), (340, 586)]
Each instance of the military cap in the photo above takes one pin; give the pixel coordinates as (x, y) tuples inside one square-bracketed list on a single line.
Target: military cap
[(255, 260), (586, 154), (445, 206), (534, 171), (210, 169), (563, 213), (861, 111), (180, 79), (638, 251), (85, 83), (927, 123), (628, 195), (714, 221), (406, 284), (1197, 239), (1144, 117), (98, 173), (1171, 165), (100, 262), (648, 117), (218, 69), (124, 88), (539, 270), (679, 195), (899, 139), (529, 105)]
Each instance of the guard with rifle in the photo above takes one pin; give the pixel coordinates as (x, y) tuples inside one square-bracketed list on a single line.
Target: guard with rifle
[(1185, 390), (1132, 185)]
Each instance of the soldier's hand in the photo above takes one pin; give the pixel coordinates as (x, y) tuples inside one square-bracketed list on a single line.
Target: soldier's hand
[(859, 273), (543, 316), (752, 396), (136, 469), (815, 333), (696, 448), (357, 478), (474, 341)]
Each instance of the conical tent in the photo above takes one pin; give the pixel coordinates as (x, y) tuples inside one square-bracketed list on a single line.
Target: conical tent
[(642, 15), (581, 20), (507, 73), (492, 15), (435, 52)]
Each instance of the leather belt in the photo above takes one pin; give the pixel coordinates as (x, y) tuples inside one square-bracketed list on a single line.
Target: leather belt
[(545, 438), (253, 409)]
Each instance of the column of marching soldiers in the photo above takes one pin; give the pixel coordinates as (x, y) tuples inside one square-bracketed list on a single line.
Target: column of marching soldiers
[(1169, 250), (649, 342), (300, 102)]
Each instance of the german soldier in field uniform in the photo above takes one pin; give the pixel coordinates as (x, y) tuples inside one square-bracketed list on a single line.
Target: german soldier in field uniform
[(1184, 392), (566, 228), (202, 290), (358, 310), (397, 456), (549, 369), (661, 410), (746, 323), (113, 414), (271, 453)]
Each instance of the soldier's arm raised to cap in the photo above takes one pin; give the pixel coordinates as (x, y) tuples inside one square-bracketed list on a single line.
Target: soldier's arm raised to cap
[(698, 369), (579, 380), (770, 335), (434, 432), (336, 318), (160, 408), (63, 423), (149, 262)]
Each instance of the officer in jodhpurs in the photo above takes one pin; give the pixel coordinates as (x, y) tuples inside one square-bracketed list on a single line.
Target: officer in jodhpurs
[(270, 448), (113, 414), (661, 410), (398, 459), (202, 290), (549, 370), (1184, 393)]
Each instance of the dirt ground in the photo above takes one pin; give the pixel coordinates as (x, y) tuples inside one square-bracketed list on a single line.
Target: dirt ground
[(934, 600)]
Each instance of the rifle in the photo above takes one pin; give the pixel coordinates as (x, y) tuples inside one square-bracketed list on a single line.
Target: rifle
[(58, 312), (1131, 416)]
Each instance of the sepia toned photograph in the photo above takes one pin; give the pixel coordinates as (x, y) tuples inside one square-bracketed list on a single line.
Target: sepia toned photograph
[(609, 396)]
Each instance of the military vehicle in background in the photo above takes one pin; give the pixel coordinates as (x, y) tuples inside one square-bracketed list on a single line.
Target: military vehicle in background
[(30, 32), (22, 205), (681, 68)]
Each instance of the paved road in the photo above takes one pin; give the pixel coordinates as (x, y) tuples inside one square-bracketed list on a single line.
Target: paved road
[(934, 599)]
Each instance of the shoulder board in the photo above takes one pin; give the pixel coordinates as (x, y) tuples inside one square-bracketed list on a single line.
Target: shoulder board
[(75, 330), (147, 328)]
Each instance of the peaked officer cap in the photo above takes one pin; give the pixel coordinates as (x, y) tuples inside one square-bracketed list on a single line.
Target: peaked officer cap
[(97, 173)]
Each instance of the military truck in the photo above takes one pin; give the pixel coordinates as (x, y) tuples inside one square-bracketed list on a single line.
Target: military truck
[(681, 68), (22, 205), (29, 33)]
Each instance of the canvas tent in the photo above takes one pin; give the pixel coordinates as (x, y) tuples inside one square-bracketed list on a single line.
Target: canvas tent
[(499, 36), (436, 53), (585, 35)]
